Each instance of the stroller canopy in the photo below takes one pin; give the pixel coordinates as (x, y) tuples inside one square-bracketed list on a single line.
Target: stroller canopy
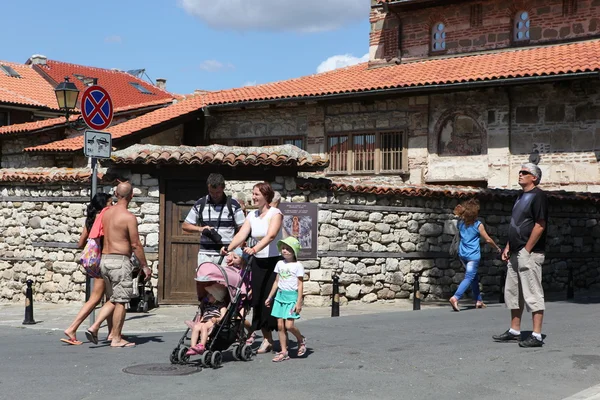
[(208, 273)]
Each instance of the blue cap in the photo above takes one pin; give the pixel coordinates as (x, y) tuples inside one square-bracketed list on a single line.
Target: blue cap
[(240, 253)]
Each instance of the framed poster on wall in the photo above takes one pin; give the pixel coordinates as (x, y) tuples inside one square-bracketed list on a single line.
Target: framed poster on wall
[(301, 221)]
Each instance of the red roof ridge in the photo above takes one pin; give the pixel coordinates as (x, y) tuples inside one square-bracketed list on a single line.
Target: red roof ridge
[(105, 70)]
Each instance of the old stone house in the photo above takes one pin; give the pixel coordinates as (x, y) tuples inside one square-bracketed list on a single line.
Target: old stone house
[(454, 98)]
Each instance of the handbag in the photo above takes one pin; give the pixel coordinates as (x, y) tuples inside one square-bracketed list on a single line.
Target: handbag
[(89, 258), (453, 250)]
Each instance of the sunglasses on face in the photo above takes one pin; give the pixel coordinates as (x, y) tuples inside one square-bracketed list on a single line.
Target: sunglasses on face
[(525, 173)]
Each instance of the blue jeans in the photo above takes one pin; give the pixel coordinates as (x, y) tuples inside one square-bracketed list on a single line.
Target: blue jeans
[(471, 278)]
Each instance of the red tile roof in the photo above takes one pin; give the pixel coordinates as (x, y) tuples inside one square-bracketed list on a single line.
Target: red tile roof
[(358, 185), (47, 175), (60, 121), (116, 83), (285, 155), (31, 89), (490, 66)]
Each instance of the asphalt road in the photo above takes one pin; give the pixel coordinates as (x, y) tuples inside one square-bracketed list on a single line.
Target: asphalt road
[(427, 354)]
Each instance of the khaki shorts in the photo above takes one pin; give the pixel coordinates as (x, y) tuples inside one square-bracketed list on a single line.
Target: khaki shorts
[(524, 281), (117, 273)]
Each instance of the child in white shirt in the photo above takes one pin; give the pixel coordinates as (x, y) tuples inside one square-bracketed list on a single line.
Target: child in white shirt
[(287, 304)]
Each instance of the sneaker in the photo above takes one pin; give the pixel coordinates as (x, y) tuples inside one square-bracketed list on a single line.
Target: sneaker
[(506, 337), (531, 341)]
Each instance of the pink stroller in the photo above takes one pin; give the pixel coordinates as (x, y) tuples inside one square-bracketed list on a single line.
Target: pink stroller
[(229, 333)]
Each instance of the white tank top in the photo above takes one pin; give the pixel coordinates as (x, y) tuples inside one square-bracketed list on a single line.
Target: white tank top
[(260, 227)]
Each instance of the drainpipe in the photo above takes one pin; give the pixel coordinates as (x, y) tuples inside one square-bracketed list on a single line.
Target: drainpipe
[(510, 122)]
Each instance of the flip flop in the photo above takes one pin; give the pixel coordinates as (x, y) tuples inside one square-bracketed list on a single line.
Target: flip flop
[(91, 336), (71, 341), (126, 344)]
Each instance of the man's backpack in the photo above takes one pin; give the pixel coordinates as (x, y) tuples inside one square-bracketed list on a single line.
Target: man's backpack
[(202, 203)]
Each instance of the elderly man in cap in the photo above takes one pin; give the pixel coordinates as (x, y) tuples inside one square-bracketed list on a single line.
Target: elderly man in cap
[(525, 255)]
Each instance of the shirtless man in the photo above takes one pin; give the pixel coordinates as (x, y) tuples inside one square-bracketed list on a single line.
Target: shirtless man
[(120, 239)]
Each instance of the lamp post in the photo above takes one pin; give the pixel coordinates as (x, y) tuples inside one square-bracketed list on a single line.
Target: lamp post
[(66, 95)]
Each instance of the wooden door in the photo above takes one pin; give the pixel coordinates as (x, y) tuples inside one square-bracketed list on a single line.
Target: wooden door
[(180, 248)]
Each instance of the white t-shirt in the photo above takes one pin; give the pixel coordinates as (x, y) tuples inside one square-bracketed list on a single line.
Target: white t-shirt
[(260, 227), (289, 272)]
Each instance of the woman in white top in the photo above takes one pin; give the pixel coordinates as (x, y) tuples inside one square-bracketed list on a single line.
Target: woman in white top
[(264, 227)]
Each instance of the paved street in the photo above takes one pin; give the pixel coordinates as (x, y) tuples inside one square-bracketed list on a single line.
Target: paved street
[(430, 354)]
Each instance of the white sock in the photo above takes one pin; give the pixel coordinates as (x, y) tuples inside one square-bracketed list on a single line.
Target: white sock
[(511, 330), (536, 335)]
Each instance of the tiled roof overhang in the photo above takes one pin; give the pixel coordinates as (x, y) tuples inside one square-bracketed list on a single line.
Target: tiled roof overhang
[(274, 156)]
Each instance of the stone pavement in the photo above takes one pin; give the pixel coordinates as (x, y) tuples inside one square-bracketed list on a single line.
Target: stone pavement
[(169, 318)]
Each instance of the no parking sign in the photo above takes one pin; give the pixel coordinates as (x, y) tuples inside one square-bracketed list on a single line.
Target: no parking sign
[(96, 108)]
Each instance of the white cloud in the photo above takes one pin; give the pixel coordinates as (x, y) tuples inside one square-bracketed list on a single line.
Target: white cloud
[(340, 61), (250, 83), (214, 66), (277, 15), (113, 39)]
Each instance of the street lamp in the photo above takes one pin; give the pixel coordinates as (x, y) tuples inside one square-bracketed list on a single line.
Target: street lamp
[(66, 96)]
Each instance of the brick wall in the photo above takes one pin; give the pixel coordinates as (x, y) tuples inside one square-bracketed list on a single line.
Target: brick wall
[(470, 28)]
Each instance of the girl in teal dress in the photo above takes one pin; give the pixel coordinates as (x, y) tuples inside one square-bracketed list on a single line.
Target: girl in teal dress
[(287, 304)]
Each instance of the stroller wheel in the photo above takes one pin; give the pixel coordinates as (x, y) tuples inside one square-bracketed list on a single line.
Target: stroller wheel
[(246, 352), (205, 359), (183, 358), (216, 360), (174, 358), (236, 351)]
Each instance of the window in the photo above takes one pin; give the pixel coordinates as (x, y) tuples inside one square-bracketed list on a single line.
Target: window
[(140, 88), (569, 7), (86, 80), (438, 37), (9, 71), (268, 142), (382, 152), (521, 28), (298, 142), (476, 15), (3, 118), (243, 143)]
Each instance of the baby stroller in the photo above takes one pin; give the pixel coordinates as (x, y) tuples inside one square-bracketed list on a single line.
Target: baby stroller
[(229, 333), (144, 298)]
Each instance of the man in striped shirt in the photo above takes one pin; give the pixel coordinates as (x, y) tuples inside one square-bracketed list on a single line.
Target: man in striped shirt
[(217, 218)]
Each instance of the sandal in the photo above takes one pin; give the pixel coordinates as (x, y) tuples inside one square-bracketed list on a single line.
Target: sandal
[(281, 357), (454, 304), (265, 347), (251, 338), (480, 304), (302, 347)]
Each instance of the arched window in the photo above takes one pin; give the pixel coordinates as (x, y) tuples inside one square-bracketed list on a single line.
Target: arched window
[(459, 135), (438, 37), (522, 24)]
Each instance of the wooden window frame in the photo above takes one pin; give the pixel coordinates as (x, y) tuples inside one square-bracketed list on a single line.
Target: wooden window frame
[(256, 140), (515, 30), (433, 41), (377, 161)]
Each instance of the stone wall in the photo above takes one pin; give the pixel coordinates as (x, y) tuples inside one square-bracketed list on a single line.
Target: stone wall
[(40, 227), (375, 243), (476, 27)]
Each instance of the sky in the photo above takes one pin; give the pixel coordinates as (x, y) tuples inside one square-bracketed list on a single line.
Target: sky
[(194, 44)]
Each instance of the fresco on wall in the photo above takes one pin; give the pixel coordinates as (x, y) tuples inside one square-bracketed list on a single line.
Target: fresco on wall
[(460, 135)]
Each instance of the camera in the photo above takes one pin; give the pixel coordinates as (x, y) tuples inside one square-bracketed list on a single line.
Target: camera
[(212, 234)]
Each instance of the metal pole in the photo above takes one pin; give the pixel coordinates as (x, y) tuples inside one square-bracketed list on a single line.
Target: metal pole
[(89, 283), (335, 300), (29, 304), (416, 294)]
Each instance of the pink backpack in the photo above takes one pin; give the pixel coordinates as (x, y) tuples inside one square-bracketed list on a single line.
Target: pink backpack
[(90, 258)]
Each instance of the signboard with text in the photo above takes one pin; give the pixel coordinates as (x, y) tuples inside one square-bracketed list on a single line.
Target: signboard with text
[(97, 144), (301, 221)]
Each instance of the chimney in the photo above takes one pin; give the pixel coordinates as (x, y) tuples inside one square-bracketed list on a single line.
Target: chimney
[(38, 59), (200, 91), (161, 83)]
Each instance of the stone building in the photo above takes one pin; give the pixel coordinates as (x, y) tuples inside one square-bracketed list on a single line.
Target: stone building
[(454, 98)]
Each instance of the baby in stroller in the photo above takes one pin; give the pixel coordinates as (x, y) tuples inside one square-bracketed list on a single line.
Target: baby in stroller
[(213, 313)]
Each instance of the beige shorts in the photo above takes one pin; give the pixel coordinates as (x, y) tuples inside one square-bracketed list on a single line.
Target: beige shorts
[(524, 281), (117, 273)]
